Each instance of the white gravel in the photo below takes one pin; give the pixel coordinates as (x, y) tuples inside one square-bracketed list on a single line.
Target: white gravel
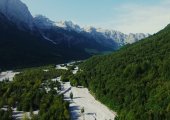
[(75, 70), (94, 110), (62, 67), (18, 115), (7, 75)]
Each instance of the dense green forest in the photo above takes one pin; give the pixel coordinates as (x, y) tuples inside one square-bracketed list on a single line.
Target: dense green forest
[(33, 89), (134, 81)]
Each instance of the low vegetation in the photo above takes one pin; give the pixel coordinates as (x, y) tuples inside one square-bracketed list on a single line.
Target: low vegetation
[(33, 89)]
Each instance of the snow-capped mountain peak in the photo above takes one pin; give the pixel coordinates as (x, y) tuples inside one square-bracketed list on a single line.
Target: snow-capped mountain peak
[(17, 12), (68, 25), (43, 22), (116, 36), (99, 34), (131, 38), (89, 29)]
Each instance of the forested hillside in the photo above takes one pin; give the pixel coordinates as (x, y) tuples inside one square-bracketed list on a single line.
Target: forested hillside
[(34, 90), (134, 81)]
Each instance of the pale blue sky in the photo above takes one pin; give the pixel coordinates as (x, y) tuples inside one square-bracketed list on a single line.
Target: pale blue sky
[(147, 16)]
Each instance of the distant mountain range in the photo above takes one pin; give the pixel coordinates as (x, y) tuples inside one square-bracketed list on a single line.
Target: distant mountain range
[(111, 38), (26, 40)]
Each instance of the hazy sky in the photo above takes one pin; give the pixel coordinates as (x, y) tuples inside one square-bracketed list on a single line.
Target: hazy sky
[(146, 16)]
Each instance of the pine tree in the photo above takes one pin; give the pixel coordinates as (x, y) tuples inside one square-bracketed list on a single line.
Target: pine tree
[(71, 95)]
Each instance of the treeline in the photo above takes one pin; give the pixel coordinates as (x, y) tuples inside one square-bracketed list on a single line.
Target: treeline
[(134, 81), (32, 90)]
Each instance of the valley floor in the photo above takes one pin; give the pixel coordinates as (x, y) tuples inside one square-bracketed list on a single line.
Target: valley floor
[(93, 110), (7, 75)]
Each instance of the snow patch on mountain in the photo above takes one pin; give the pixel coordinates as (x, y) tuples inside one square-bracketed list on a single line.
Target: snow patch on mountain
[(131, 38), (46, 38), (118, 37), (68, 25)]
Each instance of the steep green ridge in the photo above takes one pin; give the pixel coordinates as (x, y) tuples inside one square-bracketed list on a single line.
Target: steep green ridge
[(134, 81)]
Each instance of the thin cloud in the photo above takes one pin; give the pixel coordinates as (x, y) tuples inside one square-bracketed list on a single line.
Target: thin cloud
[(147, 19)]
